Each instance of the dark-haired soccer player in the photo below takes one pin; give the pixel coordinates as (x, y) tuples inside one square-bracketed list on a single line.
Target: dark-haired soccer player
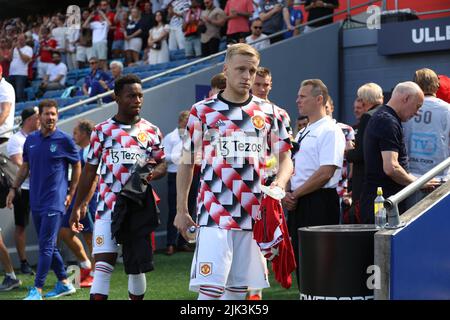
[(116, 144)]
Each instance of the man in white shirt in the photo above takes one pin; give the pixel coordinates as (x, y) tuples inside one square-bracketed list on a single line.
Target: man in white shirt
[(256, 35), (14, 149), (313, 200), (7, 108), (173, 145), (55, 78), (99, 36), (18, 70)]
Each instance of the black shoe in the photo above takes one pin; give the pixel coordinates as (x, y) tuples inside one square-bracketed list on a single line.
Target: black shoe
[(25, 268), (9, 284)]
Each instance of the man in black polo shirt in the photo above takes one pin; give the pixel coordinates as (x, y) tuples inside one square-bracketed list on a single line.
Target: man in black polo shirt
[(384, 147), (317, 9)]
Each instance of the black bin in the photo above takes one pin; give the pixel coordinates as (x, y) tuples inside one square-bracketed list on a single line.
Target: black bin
[(334, 262)]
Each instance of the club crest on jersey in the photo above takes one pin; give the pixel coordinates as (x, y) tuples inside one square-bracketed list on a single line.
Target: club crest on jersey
[(99, 241), (258, 121), (142, 137), (53, 147), (205, 268)]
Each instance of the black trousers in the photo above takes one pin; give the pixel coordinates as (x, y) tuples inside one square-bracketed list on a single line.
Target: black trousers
[(210, 47), (318, 208)]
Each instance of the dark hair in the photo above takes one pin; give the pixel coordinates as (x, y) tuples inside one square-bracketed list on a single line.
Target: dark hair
[(163, 16), (57, 53), (47, 103), (263, 72), (86, 126), (219, 81), (302, 118), (122, 81)]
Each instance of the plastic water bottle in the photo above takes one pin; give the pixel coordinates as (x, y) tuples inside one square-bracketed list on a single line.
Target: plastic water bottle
[(191, 234), (380, 210)]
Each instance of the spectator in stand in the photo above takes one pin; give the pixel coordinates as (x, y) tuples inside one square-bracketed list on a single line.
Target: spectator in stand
[(55, 78), (238, 14), (5, 55), (18, 70), (103, 85), (271, 14), (84, 43), (317, 9), (59, 34), (14, 149), (427, 135), (99, 36), (7, 108), (118, 45), (95, 75), (157, 40), (192, 44), (106, 9), (72, 36), (160, 5), (256, 35), (148, 21), (133, 40), (212, 18), (46, 47), (369, 99), (292, 18), (176, 34)]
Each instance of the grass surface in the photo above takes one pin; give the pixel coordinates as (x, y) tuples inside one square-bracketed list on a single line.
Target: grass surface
[(169, 281)]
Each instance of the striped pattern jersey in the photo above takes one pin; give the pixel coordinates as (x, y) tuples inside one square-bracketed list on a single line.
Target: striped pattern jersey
[(235, 142), (117, 147)]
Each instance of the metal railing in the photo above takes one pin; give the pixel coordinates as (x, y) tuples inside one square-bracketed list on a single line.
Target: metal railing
[(391, 203)]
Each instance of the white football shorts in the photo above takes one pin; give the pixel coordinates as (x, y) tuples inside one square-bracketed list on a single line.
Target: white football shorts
[(227, 258)]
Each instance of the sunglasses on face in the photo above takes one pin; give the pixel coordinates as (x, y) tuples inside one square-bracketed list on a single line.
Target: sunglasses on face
[(257, 28)]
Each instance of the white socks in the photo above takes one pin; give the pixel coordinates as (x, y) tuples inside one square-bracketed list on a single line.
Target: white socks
[(102, 277)]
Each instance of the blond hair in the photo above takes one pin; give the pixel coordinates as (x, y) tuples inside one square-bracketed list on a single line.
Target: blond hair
[(370, 93), (427, 80), (318, 88), (242, 49), (183, 115)]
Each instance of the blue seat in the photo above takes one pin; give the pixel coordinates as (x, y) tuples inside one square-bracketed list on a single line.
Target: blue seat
[(53, 94)]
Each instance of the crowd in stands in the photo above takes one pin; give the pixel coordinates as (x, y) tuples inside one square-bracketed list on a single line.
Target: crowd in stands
[(38, 52)]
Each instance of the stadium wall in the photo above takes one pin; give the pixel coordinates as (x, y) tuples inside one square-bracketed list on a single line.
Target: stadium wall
[(414, 260)]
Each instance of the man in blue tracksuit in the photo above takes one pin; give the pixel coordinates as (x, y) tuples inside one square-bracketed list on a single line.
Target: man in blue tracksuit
[(47, 154)]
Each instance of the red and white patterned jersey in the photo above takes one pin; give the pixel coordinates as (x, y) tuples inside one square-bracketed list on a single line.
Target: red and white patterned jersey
[(349, 134), (235, 141), (116, 147)]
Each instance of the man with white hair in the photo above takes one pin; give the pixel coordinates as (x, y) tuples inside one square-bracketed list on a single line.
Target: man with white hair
[(370, 98), (385, 158)]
